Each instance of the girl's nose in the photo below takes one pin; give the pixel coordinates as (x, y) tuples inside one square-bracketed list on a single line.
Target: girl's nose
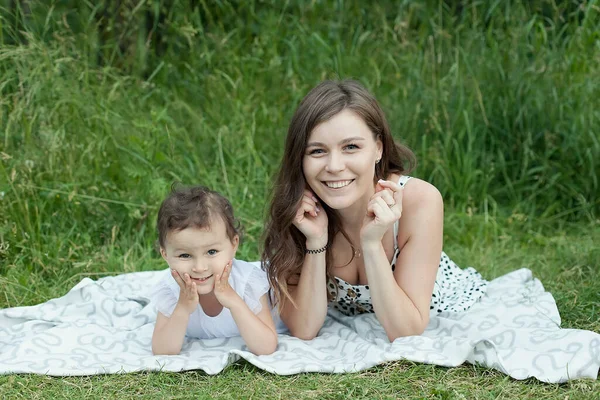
[(199, 267)]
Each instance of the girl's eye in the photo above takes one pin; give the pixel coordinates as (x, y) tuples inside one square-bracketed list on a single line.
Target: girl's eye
[(212, 252), (184, 255)]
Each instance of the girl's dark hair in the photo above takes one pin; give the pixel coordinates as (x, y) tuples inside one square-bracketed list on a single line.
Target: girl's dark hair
[(197, 207), (284, 244)]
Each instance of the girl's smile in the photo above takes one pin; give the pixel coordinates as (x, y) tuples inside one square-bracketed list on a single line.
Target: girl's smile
[(201, 280), (202, 253)]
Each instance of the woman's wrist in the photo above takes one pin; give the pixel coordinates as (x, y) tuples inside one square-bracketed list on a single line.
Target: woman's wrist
[(317, 243), (370, 246)]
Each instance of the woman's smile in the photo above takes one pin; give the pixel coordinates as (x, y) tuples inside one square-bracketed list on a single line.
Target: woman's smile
[(338, 184)]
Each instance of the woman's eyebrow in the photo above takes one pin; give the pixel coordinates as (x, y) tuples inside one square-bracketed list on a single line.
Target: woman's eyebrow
[(351, 139)]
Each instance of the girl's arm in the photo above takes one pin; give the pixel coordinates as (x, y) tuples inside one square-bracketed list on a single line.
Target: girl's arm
[(169, 332), (401, 298), (257, 330)]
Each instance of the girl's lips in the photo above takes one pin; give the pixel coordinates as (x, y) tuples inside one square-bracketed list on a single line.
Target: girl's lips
[(201, 280)]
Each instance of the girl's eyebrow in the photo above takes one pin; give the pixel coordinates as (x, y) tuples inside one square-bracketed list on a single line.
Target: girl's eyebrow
[(350, 139)]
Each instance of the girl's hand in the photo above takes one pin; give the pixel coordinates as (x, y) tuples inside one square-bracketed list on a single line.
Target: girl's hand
[(311, 220), (188, 295), (223, 291), (383, 210)]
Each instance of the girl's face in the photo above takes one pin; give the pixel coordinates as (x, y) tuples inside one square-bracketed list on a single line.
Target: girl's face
[(201, 253), (339, 160)]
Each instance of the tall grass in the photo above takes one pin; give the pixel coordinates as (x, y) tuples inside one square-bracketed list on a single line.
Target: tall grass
[(97, 119), (500, 102)]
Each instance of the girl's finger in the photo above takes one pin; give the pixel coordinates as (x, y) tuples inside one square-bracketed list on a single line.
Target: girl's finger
[(177, 278), (227, 271), (188, 279)]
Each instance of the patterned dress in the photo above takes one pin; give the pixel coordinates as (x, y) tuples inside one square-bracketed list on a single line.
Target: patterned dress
[(455, 289)]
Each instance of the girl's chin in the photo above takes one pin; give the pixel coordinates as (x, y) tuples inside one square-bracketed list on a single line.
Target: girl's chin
[(205, 291)]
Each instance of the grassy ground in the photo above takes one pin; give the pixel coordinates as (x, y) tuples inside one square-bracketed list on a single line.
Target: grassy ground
[(498, 100)]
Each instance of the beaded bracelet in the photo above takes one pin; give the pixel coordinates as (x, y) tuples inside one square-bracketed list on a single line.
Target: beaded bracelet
[(317, 251)]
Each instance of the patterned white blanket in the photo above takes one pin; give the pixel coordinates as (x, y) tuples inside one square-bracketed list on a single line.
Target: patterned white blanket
[(105, 327)]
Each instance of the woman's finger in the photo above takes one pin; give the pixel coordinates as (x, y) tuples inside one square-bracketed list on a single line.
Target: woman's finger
[(387, 195), (310, 195), (397, 191), (306, 208), (309, 200)]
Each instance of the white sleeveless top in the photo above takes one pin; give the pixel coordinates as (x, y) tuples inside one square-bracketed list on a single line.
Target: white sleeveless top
[(246, 279)]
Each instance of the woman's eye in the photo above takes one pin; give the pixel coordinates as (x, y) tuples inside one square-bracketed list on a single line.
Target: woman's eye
[(212, 252), (351, 147), (184, 255), (315, 151)]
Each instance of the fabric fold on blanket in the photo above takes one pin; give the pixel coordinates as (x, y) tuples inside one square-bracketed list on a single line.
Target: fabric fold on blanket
[(105, 327)]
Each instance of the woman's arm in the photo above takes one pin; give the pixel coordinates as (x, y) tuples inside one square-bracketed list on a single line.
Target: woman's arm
[(309, 292), (169, 332), (310, 295), (401, 298), (257, 330)]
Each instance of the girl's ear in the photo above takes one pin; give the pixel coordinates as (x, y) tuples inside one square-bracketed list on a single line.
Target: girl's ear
[(163, 253), (235, 242)]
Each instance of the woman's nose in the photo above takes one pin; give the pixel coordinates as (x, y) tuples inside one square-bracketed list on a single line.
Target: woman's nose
[(335, 162)]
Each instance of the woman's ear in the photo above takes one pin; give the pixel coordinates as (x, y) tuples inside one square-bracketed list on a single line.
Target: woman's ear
[(379, 145)]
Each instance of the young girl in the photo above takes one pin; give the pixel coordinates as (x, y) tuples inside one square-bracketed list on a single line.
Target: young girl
[(208, 293)]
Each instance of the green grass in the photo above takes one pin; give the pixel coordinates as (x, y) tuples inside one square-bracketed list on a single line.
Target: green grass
[(499, 101)]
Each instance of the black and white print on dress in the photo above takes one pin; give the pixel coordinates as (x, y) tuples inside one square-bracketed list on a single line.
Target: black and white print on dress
[(455, 289)]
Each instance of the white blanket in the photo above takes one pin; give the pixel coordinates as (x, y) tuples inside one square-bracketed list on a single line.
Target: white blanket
[(105, 326)]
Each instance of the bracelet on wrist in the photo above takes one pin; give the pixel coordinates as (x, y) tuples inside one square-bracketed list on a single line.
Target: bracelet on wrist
[(317, 251)]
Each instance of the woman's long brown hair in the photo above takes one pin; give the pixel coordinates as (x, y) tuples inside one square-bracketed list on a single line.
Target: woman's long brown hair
[(284, 244)]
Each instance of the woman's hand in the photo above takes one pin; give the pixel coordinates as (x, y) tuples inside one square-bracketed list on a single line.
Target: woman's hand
[(383, 210), (311, 220), (223, 290), (188, 295)]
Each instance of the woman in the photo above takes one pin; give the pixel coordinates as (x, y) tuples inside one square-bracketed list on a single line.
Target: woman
[(349, 229)]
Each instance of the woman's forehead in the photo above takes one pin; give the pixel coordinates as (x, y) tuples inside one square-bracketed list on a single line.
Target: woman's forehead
[(342, 126)]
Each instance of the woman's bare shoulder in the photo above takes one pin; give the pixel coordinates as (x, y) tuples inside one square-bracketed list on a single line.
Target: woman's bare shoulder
[(421, 195)]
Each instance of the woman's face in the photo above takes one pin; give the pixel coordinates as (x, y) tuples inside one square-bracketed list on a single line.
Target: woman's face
[(339, 160)]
